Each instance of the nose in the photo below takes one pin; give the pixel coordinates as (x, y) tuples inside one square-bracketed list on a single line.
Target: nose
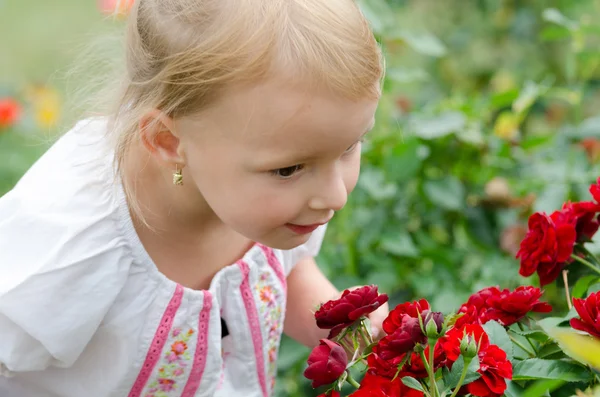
[(331, 194)]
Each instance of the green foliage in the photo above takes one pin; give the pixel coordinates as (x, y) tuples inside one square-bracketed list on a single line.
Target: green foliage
[(487, 114)]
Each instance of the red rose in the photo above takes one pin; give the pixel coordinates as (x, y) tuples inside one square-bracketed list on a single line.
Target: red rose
[(414, 367), (405, 310), (585, 216), (10, 111), (341, 313), (509, 307), (451, 341), (504, 306), (470, 315), (326, 363), (377, 386), (595, 190), (403, 339), (589, 311), (381, 367), (494, 368), (477, 309), (547, 246)]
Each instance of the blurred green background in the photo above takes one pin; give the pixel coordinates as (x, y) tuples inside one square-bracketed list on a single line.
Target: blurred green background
[(489, 113)]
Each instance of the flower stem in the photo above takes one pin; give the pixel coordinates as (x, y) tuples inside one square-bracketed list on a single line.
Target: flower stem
[(462, 377), (434, 388), (351, 380), (434, 392), (586, 263), (527, 339), (565, 274), (365, 335), (516, 342)]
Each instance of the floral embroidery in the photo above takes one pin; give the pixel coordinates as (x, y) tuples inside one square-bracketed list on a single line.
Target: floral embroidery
[(175, 360), (270, 308)]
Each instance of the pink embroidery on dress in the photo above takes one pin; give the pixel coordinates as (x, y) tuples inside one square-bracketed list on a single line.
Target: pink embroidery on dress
[(255, 329), (174, 364), (201, 348), (275, 265), (158, 342), (270, 305)]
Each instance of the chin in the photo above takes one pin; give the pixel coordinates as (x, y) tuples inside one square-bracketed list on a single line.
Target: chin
[(286, 244)]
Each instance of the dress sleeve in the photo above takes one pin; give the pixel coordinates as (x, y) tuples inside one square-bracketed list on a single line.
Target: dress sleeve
[(307, 250), (59, 275)]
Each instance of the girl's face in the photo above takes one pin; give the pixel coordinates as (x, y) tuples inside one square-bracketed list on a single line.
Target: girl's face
[(274, 161)]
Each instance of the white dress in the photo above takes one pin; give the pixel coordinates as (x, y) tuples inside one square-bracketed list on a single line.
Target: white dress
[(84, 312)]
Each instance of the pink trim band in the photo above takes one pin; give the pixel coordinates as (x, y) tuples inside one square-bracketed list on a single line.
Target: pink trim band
[(275, 265), (201, 349), (159, 340), (255, 330)]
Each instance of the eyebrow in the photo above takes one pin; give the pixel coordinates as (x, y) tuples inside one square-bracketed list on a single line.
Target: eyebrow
[(302, 159)]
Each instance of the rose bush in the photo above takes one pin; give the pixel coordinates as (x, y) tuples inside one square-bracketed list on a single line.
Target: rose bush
[(497, 343)]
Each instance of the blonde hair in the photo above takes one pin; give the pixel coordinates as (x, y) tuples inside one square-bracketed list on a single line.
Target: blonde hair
[(182, 54)]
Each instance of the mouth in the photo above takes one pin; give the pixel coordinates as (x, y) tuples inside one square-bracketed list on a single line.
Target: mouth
[(304, 229)]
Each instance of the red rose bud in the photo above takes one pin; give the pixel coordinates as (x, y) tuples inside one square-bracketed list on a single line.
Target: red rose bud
[(453, 338), (403, 340), (468, 347), (326, 363), (589, 313), (434, 324), (547, 246), (341, 313)]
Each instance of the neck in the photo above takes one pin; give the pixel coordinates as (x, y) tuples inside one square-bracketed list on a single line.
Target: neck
[(171, 210)]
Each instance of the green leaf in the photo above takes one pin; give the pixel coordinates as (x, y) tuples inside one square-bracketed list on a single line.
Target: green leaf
[(537, 368), (403, 76), (452, 377), (401, 245), (582, 285), (553, 33), (537, 335), (412, 383), (423, 42), (447, 193), (373, 182), (512, 389), (439, 126), (543, 388), (549, 323), (499, 337), (527, 97), (555, 16), (551, 351)]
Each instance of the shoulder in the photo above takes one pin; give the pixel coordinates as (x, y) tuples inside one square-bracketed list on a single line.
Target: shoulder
[(309, 249), (62, 253)]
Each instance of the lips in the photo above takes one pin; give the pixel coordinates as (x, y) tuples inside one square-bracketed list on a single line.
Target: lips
[(304, 229)]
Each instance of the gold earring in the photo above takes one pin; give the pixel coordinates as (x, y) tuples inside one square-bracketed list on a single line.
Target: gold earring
[(177, 176)]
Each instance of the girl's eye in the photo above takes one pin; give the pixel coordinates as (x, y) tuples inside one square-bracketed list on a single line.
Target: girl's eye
[(287, 172), (351, 148)]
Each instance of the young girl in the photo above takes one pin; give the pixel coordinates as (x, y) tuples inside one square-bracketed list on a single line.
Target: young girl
[(156, 252)]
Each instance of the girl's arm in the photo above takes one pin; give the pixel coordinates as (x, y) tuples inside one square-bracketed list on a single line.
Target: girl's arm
[(307, 289)]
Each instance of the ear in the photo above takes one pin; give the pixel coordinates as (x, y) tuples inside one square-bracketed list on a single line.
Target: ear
[(159, 137)]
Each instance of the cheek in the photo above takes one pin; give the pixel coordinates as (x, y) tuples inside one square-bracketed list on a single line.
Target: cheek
[(352, 173)]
